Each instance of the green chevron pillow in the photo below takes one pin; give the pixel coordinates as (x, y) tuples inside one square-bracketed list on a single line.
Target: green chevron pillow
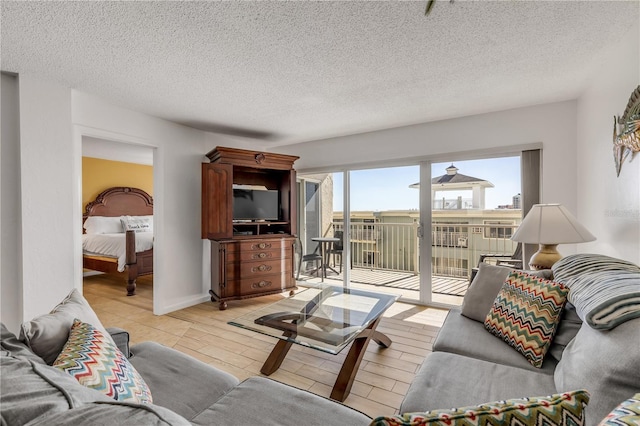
[(526, 313), (566, 409), (97, 363), (625, 414)]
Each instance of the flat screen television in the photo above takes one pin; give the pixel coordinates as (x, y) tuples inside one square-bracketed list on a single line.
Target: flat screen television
[(254, 204)]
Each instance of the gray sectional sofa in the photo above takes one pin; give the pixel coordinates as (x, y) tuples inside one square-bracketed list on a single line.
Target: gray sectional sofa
[(468, 366), (185, 391)]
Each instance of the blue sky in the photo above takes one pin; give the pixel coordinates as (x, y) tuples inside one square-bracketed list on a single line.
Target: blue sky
[(388, 188)]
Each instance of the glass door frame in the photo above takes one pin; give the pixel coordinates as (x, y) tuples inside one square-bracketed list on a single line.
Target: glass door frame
[(424, 235), (425, 204), (302, 209)]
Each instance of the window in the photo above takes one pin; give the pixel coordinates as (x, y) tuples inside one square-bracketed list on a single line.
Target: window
[(502, 229), (449, 234)]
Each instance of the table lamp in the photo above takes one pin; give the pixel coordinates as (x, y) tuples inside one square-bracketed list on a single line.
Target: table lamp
[(549, 225)]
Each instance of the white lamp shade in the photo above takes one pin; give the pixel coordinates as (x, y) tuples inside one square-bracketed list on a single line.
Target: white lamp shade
[(551, 224)]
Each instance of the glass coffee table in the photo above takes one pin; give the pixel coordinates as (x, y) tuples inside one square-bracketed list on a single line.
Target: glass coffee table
[(325, 318)]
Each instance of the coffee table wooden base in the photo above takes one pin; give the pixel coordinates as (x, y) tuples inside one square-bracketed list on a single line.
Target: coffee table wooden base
[(349, 369)]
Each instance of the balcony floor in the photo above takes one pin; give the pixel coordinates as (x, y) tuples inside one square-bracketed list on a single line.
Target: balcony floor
[(445, 289)]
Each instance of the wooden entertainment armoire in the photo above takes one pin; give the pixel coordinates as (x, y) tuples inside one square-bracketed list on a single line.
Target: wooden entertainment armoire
[(248, 258)]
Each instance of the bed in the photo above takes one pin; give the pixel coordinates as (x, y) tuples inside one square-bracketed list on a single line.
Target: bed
[(129, 253)]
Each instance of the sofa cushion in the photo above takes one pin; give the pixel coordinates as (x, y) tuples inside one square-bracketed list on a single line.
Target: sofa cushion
[(566, 409), (568, 327), (261, 401), (480, 295), (177, 381), (483, 290), (450, 380), (113, 413), (604, 290), (30, 389), (627, 413), (97, 363), (604, 362), (120, 338), (10, 344), (463, 336), (47, 334), (526, 313)]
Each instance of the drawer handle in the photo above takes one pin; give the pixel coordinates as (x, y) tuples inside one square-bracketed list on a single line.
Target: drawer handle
[(261, 268), (261, 284), (261, 246), (261, 255)]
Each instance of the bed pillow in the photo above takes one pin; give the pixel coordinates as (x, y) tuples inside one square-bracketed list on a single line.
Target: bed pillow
[(566, 409), (47, 334), (97, 363), (137, 223), (525, 314), (103, 225)]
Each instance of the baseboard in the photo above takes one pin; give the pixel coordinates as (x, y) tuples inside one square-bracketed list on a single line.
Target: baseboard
[(196, 300)]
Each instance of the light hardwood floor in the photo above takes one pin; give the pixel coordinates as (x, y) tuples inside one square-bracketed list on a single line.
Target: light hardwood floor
[(202, 331)]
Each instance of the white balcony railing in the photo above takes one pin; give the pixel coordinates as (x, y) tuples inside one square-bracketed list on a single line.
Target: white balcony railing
[(456, 248)]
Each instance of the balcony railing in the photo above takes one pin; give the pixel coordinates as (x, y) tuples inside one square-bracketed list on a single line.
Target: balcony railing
[(456, 248)]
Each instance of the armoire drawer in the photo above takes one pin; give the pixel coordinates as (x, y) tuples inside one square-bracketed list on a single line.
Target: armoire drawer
[(241, 270), (246, 256), (262, 245), (263, 284)]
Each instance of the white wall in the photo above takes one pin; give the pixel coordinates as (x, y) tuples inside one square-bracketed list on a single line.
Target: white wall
[(10, 250), (43, 182), (552, 125), (116, 151), (46, 158), (179, 151), (609, 206)]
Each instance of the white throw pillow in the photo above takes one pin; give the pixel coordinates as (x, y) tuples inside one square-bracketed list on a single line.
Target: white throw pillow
[(103, 225), (137, 223)]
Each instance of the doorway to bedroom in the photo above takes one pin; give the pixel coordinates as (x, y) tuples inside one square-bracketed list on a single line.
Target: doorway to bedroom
[(117, 196)]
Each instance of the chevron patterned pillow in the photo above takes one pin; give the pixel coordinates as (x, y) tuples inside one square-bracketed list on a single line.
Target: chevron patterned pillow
[(625, 414), (97, 363), (565, 409), (526, 313)]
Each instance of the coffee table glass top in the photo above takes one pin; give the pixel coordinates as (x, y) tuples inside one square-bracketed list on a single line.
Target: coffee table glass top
[(326, 318)]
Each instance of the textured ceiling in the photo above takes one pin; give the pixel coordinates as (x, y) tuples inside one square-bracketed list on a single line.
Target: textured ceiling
[(287, 72)]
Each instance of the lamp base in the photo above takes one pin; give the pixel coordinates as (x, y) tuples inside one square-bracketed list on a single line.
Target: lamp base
[(545, 257)]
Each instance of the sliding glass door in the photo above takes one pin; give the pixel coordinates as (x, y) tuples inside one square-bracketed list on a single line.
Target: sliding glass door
[(475, 207), (384, 225), (418, 230)]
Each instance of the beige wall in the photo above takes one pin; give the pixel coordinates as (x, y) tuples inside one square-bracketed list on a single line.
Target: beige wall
[(99, 174)]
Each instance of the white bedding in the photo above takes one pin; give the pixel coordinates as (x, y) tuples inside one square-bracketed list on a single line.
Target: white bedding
[(113, 245)]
